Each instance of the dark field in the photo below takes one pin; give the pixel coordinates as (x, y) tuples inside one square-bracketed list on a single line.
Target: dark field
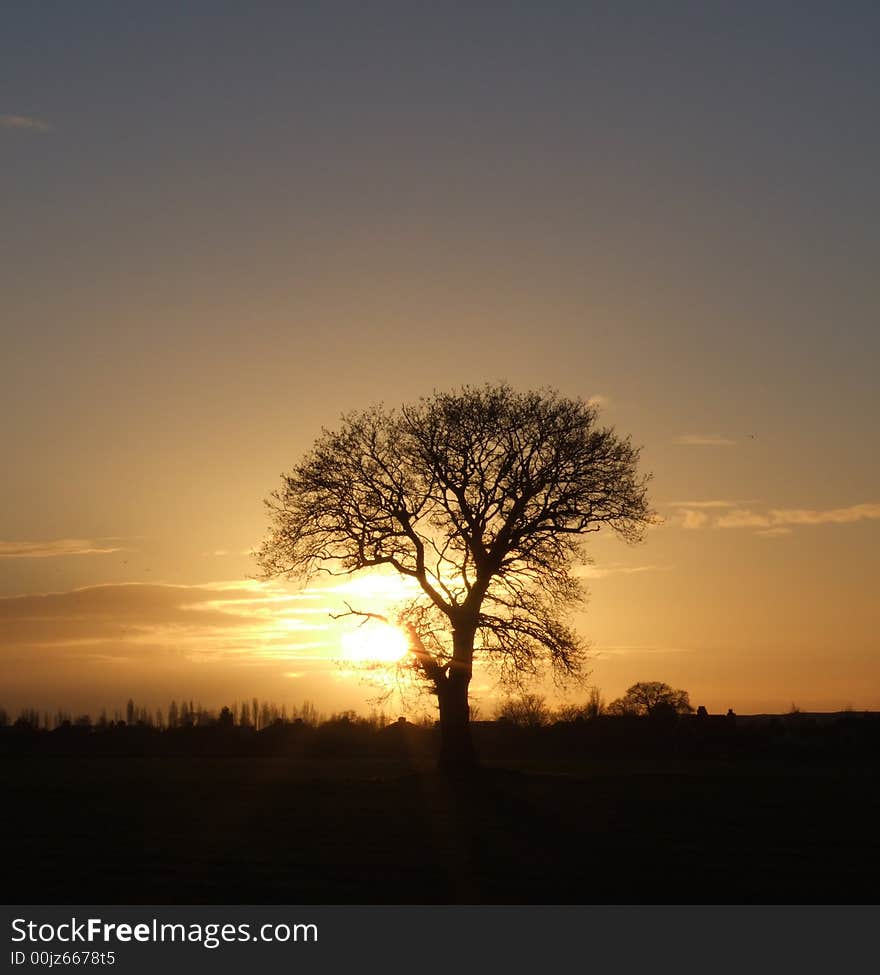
[(227, 830)]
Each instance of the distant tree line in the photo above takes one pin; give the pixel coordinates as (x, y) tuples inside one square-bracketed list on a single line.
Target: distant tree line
[(255, 714), (650, 720), (645, 699)]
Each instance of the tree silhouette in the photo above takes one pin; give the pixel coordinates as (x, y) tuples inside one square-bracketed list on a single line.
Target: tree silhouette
[(483, 496), (525, 710), (652, 699)]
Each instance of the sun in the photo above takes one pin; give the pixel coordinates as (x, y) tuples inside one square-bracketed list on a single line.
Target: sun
[(375, 642)]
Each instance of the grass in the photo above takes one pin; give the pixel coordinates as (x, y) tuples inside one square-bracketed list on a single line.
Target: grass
[(273, 830)]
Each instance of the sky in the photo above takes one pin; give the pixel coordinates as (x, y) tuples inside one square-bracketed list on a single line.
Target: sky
[(226, 224)]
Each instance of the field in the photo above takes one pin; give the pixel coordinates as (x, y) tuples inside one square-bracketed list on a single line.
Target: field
[(226, 830)]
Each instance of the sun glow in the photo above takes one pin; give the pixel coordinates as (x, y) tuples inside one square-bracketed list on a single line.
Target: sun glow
[(375, 642)]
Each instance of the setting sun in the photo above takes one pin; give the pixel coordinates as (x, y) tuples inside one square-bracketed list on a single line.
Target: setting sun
[(375, 643)]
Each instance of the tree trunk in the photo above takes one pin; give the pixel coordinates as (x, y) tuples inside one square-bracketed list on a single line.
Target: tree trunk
[(456, 745)]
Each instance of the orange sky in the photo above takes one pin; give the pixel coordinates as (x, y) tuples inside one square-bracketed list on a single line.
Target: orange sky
[(745, 606), (301, 214)]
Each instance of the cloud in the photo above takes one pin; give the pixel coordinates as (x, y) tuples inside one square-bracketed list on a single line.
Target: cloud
[(775, 522), (600, 400), (57, 547), (707, 504), (373, 585), (103, 643), (246, 622), (743, 518), (692, 519), (692, 515), (592, 572), (24, 123), (778, 518), (832, 516), (703, 440), (627, 650)]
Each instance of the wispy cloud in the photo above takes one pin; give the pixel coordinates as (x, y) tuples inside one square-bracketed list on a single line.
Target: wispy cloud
[(57, 547), (694, 514), (832, 516), (787, 517), (708, 504), (704, 440), (692, 519), (24, 123), (600, 400), (630, 650), (600, 572), (775, 522), (744, 518), (246, 621)]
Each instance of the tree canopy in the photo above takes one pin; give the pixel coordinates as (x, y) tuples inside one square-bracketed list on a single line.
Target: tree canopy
[(484, 497), (652, 699)]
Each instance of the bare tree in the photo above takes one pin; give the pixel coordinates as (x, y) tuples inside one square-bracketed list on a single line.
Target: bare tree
[(593, 707), (483, 496), (525, 710)]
